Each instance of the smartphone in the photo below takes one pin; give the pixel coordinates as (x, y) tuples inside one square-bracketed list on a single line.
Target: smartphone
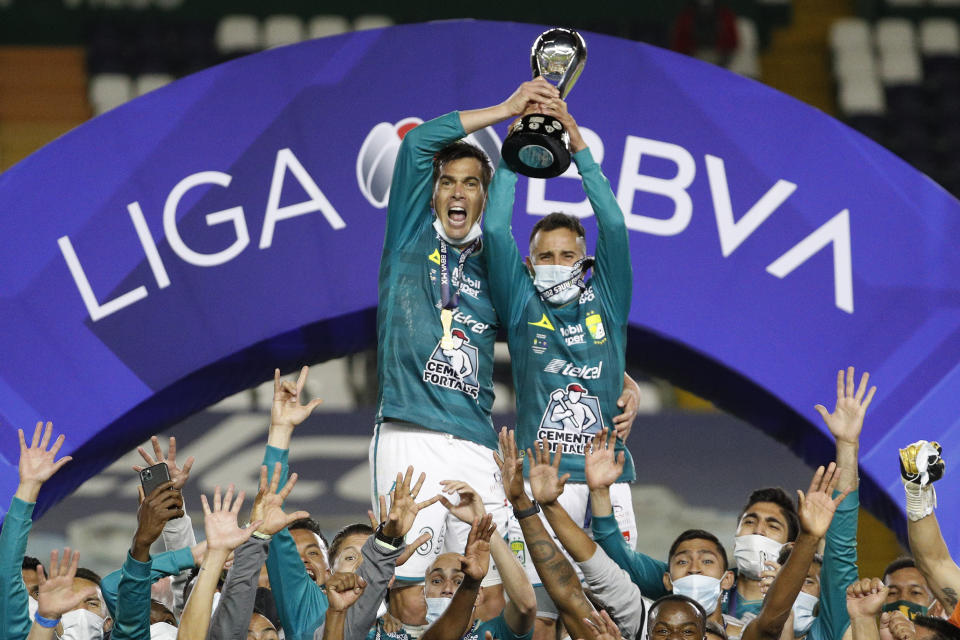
[(153, 477)]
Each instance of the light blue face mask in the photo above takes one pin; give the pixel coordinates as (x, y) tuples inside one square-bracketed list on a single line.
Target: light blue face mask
[(703, 589), (549, 275), (803, 616), (436, 607)]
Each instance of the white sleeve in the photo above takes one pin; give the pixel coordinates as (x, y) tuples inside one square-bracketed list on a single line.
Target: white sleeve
[(611, 587)]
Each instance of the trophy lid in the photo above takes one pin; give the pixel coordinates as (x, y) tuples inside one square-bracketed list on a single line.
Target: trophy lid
[(559, 55)]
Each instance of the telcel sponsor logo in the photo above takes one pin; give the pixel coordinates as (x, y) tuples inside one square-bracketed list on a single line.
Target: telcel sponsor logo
[(564, 368)]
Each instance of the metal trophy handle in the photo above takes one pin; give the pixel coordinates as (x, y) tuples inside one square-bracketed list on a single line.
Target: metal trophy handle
[(538, 145)]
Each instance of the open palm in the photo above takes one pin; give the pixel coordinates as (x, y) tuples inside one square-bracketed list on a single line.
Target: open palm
[(220, 523), (846, 421), (602, 465)]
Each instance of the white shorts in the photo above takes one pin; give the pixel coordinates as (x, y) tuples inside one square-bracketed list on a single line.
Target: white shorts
[(575, 501), (442, 456)]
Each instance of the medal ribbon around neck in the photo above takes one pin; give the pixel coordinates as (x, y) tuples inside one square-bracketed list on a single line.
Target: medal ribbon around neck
[(576, 278), (450, 299)]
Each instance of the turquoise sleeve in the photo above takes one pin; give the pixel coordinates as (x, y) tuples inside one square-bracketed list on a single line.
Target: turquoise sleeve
[(508, 278), (132, 621), (501, 630), (613, 270), (13, 546), (839, 571), (645, 572), (301, 604), (411, 187), (168, 563)]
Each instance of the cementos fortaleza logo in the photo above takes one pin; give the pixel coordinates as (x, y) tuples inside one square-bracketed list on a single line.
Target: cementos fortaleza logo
[(378, 155)]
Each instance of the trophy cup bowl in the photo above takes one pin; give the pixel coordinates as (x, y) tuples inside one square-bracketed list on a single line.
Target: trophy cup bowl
[(538, 145)]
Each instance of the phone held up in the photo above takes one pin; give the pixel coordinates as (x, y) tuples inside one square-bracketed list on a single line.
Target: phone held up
[(153, 477)]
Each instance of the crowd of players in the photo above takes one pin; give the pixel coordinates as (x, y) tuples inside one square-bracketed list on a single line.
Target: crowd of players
[(548, 502)]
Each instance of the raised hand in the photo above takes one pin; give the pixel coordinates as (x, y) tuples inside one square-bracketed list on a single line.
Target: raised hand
[(56, 595), (545, 480), (558, 109), (769, 574), (343, 589), (286, 410), (475, 561), (511, 467), (220, 523), (163, 504), (846, 421), (817, 507), (530, 94), (603, 626), (268, 505), (469, 507), (865, 598), (602, 465), (178, 475), (403, 504), (37, 463)]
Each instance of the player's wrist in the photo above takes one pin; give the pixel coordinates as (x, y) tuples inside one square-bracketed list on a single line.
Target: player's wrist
[(28, 490)]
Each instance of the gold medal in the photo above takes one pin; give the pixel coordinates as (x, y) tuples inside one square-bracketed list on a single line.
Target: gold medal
[(446, 319)]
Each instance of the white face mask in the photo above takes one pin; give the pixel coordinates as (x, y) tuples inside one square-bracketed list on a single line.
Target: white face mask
[(750, 552), (32, 606), (703, 589), (81, 624), (163, 631), (436, 607), (548, 275), (472, 235), (803, 616)]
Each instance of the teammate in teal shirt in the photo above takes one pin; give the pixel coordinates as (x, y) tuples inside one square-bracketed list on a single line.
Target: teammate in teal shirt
[(567, 339), (435, 395)]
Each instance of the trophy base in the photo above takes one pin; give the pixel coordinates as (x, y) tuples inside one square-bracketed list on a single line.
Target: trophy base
[(537, 147)]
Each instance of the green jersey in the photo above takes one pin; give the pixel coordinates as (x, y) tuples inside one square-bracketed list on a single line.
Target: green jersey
[(449, 390), (568, 360)]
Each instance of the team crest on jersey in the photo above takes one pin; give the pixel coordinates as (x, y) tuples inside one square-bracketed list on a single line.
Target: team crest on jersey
[(595, 326), (454, 368), (571, 419)]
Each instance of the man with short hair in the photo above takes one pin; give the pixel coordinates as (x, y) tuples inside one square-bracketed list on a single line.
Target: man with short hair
[(567, 336), (676, 617), (907, 589), (312, 547), (699, 570)]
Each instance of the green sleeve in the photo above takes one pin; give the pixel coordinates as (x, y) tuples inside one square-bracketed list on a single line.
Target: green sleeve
[(411, 187), (168, 563), (839, 571), (645, 572), (132, 621), (14, 607), (501, 630), (613, 271), (509, 281), (301, 604)]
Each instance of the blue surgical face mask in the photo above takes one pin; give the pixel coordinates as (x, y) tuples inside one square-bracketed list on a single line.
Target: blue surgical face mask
[(803, 616), (703, 589), (436, 607)]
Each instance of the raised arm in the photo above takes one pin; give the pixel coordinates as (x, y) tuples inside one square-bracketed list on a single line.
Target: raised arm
[(865, 599), (238, 594), (921, 465), (602, 466), (223, 536), (816, 511), (520, 611), (37, 465), (537, 90), (558, 576), (840, 548), (132, 621), (177, 533), (474, 563), (547, 485)]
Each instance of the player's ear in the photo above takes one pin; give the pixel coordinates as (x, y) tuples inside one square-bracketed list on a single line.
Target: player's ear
[(529, 265)]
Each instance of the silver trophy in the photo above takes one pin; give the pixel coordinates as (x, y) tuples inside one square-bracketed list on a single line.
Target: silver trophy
[(538, 145)]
